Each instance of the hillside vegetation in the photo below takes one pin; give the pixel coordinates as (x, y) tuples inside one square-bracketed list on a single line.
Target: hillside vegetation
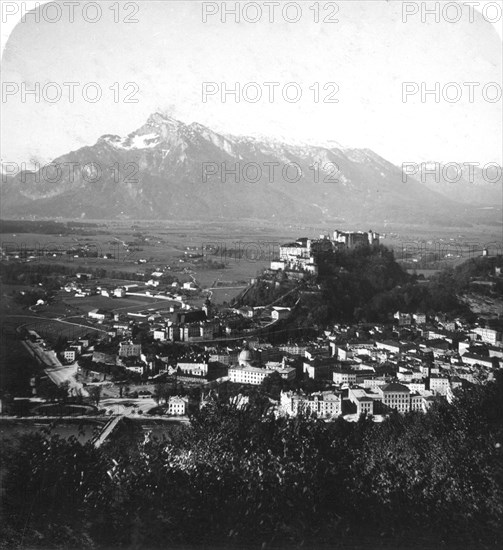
[(362, 284)]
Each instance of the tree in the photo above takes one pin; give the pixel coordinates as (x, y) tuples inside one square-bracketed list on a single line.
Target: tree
[(272, 385), (63, 391), (161, 392), (60, 344), (95, 394), (48, 390)]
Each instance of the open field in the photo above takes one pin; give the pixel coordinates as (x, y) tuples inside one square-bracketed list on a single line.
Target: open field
[(51, 330), (130, 303)]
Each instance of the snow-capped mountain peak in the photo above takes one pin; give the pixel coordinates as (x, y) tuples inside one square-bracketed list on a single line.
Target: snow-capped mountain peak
[(171, 170)]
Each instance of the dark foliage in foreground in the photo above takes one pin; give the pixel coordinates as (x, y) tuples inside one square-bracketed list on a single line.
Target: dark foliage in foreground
[(240, 474)]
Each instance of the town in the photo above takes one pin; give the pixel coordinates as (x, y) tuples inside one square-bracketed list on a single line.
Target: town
[(169, 360)]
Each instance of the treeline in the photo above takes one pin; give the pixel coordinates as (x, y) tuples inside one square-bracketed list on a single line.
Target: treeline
[(47, 227), (431, 297), (51, 275), (21, 273), (439, 293), (367, 284), (460, 277), (239, 475)]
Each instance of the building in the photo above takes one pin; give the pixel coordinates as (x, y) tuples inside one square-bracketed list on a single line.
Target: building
[(129, 349), (395, 396), (404, 319), (207, 330), (243, 374), (296, 257), (278, 265), (279, 313), (495, 352), (372, 383), (99, 314), (343, 354), (174, 332), (416, 386), (473, 359), (189, 285), (318, 369), (343, 376), (246, 311), (300, 249), (294, 349), (138, 369), (417, 402), (69, 355), (352, 239), (190, 332), (226, 357), (192, 316), (160, 335), (193, 368), (321, 352), (389, 345), (419, 318), (439, 384), (404, 375), (177, 406), (287, 373), (325, 404), (488, 335), (364, 402), (267, 352)]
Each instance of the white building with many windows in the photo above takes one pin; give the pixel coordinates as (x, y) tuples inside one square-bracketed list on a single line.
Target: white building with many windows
[(177, 406), (395, 396), (243, 374), (364, 402), (439, 384), (326, 404), (341, 376), (488, 335), (193, 368), (69, 355)]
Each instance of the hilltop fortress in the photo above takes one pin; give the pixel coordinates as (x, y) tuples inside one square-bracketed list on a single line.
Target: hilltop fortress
[(299, 257)]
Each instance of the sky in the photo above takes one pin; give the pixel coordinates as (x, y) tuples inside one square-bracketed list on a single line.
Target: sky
[(166, 54)]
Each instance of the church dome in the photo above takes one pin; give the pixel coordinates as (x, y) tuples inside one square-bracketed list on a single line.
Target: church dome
[(245, 357)]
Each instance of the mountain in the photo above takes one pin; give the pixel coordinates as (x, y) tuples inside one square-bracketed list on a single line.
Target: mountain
[(170, 170), (474, 185)]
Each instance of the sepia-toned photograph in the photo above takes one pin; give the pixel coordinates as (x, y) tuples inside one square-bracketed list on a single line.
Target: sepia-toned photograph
[(251, 275)]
